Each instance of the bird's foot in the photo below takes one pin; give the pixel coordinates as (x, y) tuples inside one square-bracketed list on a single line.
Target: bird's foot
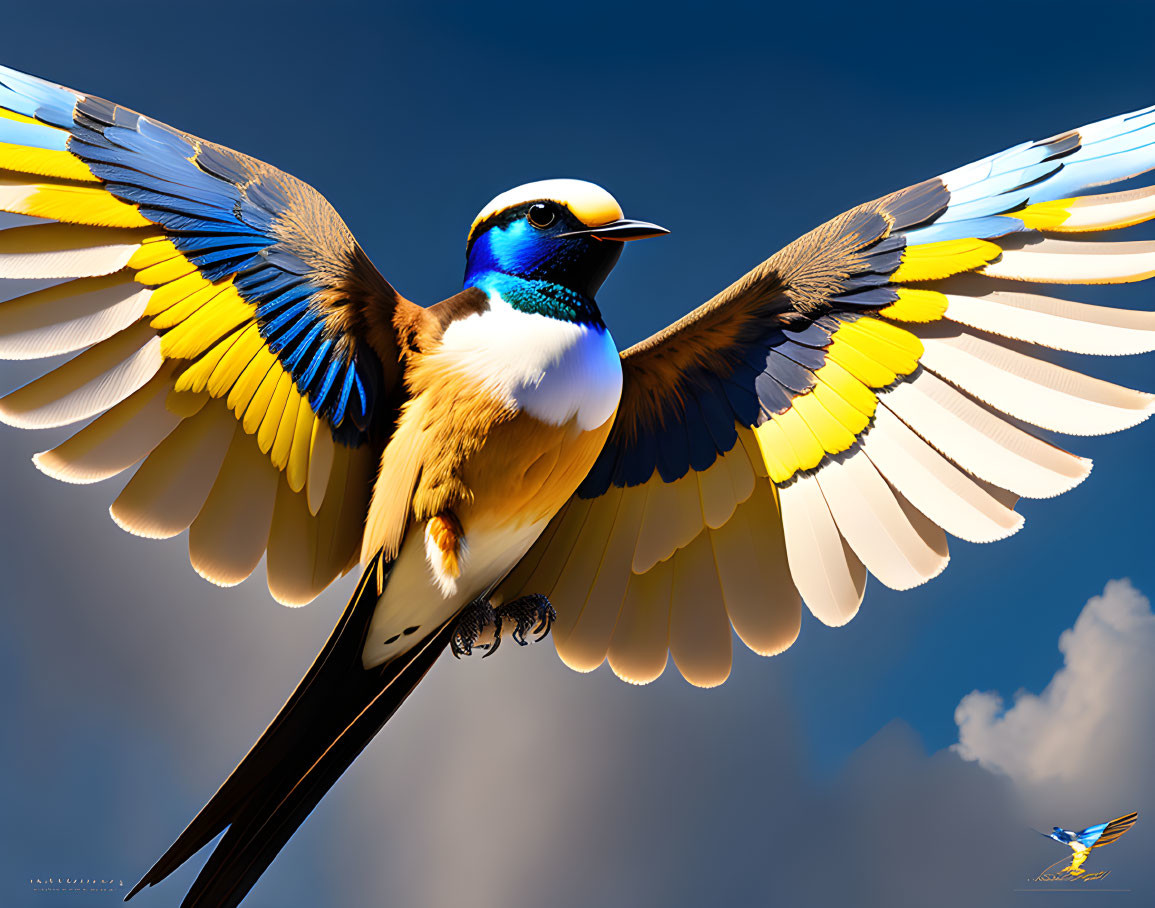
[(471, 624), (529, 614)]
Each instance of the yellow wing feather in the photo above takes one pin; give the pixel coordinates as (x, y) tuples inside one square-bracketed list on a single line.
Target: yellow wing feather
[(210, 349), (915, 413), (932, 261)]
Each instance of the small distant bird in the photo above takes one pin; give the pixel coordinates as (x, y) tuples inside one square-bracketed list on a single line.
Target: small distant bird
[(1081, 843), (491, 458)]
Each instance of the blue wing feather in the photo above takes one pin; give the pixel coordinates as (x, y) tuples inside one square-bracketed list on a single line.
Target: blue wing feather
[(220, 210), (984, 228), (301, 349), (870, 298), (806, 357), (319, 358), (719, 420), (31, 134), (788, 373), (272, 329), (702, 450), (673, 452), (1090, 835), (36, 98), (322, 392), (814, 335)]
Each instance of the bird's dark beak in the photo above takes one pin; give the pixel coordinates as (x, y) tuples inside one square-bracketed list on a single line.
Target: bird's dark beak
[(622, 230)]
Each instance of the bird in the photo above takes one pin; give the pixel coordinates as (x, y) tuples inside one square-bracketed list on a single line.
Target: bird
[(494, 461), (1096, 836)]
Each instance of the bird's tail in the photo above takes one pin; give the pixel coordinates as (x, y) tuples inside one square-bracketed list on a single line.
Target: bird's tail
[(334, 712)]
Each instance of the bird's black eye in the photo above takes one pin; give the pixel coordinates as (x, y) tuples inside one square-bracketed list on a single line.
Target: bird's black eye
[(541, 215)]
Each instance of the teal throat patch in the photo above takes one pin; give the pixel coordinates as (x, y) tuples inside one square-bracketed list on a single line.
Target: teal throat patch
[(541, 298)]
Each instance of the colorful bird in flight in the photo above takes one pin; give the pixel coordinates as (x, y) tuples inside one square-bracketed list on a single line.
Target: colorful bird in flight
[(837, 411), (1081, 843)]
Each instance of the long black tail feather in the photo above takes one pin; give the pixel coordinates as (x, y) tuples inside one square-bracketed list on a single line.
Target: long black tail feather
[(332, 715)]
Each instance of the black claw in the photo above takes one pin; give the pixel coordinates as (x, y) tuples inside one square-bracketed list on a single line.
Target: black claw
[(474, 618), (533, 614), (548, 617), (492, 647)]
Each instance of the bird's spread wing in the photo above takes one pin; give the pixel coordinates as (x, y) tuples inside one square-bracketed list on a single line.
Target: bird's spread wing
[(232, 335), (1106, 833), (866, 390)]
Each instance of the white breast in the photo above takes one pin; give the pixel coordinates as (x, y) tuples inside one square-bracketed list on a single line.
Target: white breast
[(552, 369)]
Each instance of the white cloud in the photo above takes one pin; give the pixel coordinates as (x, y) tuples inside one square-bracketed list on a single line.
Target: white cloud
[(1086, 742)]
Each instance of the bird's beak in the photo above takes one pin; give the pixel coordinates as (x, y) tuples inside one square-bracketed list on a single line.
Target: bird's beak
[(622, 230)]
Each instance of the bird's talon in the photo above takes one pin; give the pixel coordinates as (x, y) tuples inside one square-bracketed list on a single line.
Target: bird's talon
[(474, 618), (492, 647), (530, 615), (548, 617), (533, 614)]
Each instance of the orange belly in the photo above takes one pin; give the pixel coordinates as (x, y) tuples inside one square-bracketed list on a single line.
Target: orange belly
[(521, 476), (527, 470)]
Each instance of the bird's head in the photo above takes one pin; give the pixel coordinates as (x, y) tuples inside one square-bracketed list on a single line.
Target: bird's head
[(563, 232)]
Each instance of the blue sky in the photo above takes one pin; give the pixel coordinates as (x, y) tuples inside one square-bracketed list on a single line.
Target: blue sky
[(134, 686)]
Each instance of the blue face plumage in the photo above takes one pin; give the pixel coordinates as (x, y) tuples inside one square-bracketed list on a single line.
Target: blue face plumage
[(537, 268)]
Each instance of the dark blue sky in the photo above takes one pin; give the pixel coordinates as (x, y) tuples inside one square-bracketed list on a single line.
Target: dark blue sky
[(738, 126)]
